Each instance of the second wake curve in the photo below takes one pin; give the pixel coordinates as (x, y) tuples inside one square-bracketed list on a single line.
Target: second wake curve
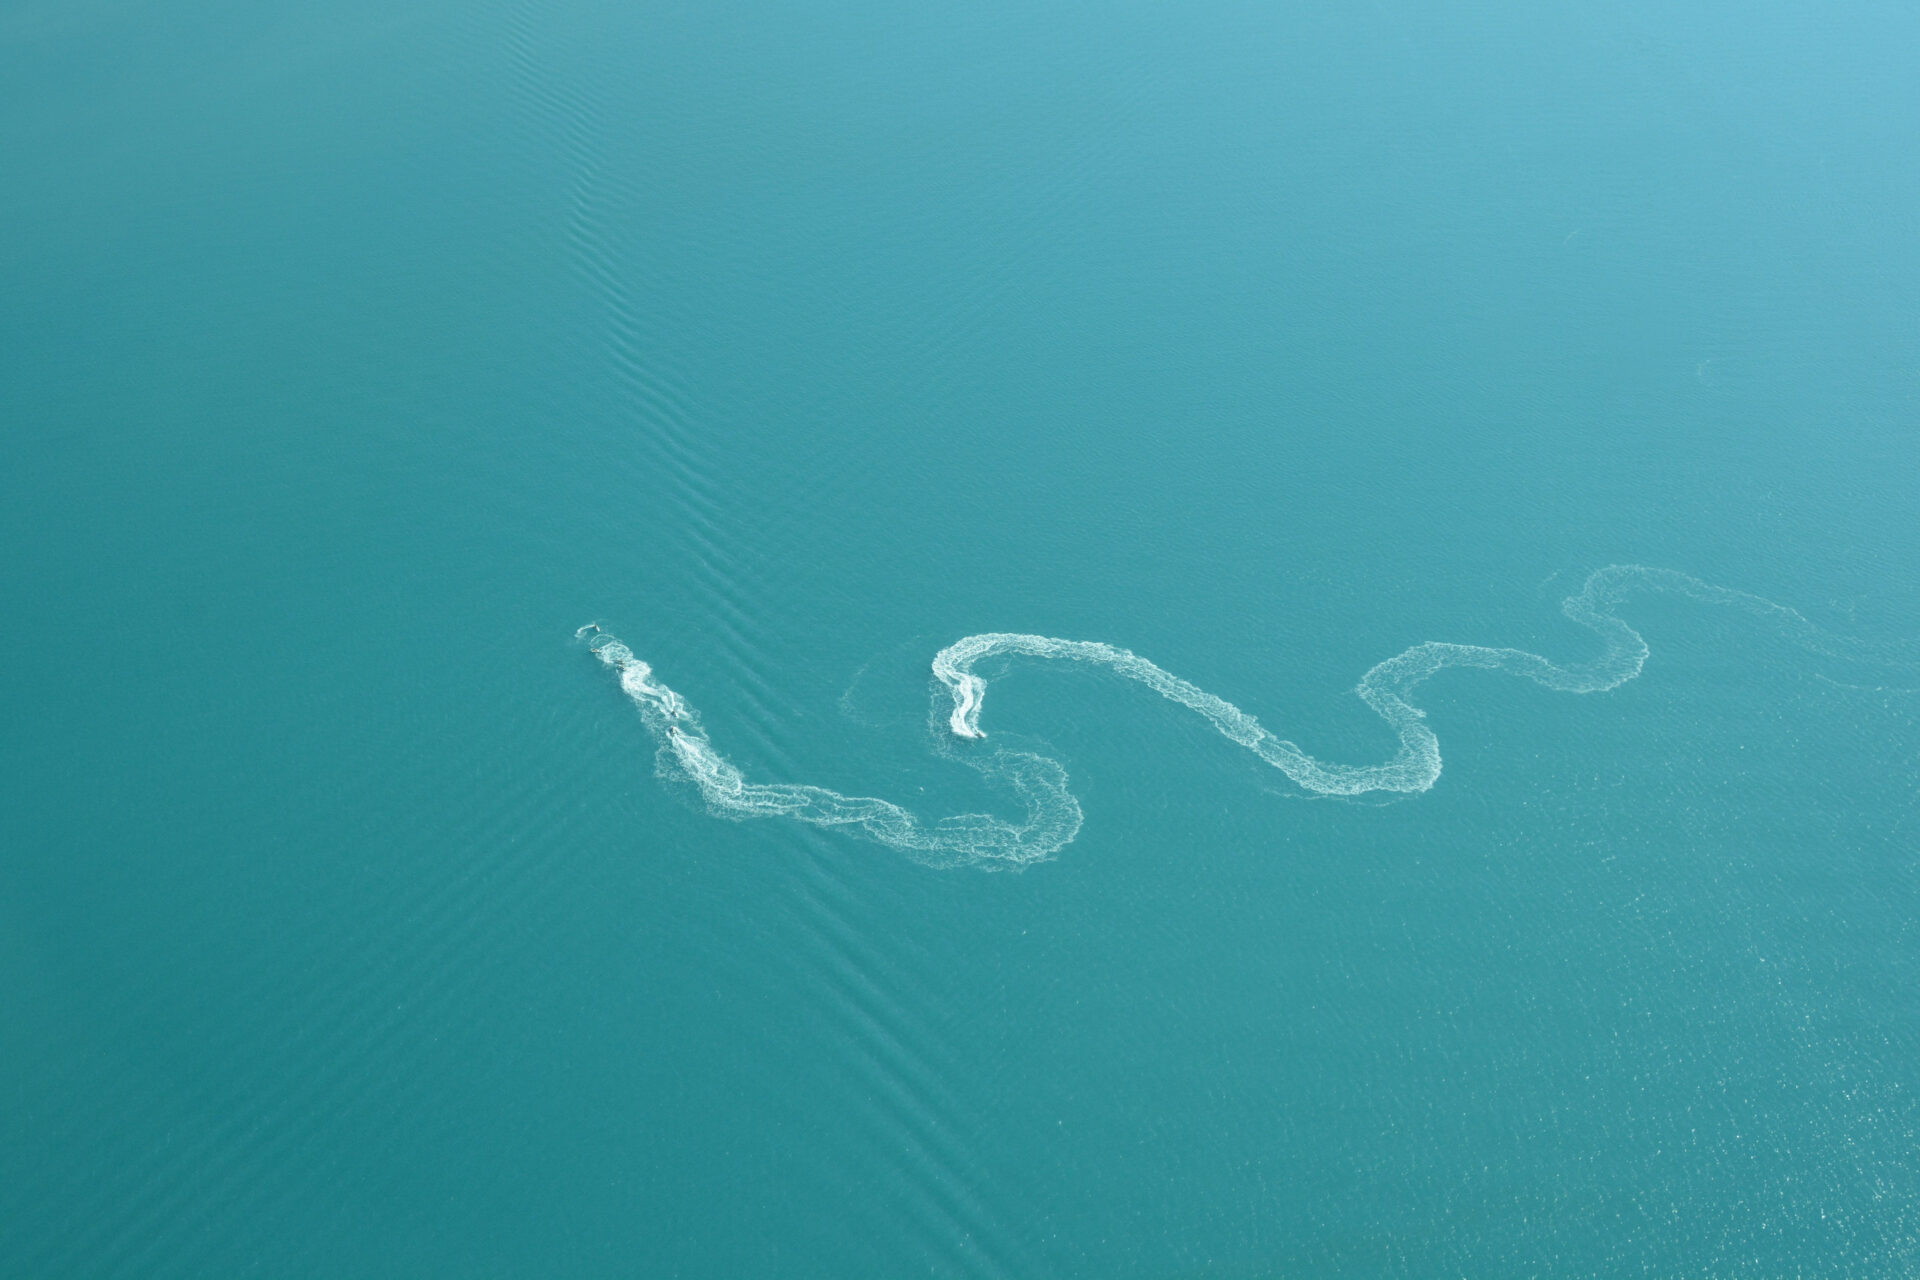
[(1054, 816)]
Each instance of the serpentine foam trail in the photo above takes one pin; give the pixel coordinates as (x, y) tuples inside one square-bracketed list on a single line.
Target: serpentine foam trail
[(1054, 815)]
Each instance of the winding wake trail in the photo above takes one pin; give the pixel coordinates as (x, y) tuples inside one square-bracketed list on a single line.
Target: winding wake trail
[(1054, 815)]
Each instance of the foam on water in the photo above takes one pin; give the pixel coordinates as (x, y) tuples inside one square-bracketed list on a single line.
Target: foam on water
[(1054, 815)]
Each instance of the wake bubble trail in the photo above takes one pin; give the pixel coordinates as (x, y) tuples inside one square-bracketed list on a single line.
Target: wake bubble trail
[(1053, 814)]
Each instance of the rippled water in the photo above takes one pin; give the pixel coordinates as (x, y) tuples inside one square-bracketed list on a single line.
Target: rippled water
[(350, 924)]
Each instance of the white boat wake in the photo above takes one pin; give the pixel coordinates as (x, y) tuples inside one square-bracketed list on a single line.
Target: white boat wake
[(1053, 814)]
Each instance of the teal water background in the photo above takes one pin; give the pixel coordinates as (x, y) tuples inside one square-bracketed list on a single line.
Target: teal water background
[(350, 359)]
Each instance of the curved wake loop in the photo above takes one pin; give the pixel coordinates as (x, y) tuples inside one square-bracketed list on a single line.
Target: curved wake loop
[(1054, 815)]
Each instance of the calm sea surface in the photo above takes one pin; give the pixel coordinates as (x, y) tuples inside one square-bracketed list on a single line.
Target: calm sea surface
[(351, 358)]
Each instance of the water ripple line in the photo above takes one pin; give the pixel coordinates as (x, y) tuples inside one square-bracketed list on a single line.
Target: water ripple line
[(1053, 814)]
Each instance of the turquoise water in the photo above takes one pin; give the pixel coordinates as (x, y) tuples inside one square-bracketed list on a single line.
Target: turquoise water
[(352, 921)]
